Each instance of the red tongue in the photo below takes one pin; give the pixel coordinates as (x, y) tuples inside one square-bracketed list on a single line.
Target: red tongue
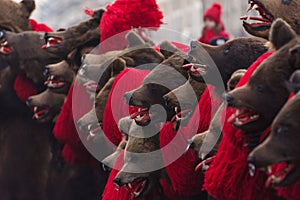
[(6, 50), (255, 18), (135, 111), (188, 66)]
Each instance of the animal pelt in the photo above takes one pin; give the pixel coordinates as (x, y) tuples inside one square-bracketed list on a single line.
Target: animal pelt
[(228, 175), (65, 131), (116, 108), (182, 173)]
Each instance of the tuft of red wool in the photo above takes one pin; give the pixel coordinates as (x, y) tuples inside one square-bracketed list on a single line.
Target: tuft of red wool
[(89, 11), (228, 175), (123, 15), (24, 88), (185, 180), (65, 131), (39, 27), (129, 79)]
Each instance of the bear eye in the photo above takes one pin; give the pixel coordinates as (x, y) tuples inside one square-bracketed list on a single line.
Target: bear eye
[(260, 89), (282, 129), (286, 2), (153, 88), (226, 50)]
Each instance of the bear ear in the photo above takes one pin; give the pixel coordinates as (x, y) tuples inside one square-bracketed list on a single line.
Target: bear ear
[(134, 39), (281, 33), (295, 56), (118, 65), (29, 5)]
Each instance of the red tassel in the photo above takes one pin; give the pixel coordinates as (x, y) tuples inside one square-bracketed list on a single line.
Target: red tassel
[(116, 108), (24, 88), (39, 27), (122, 16), (228, 176), (89, 11)]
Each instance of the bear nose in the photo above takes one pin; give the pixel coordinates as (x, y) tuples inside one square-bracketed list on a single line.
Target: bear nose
[(228, 98), (29, 101), (118, 182), (127, 97), (251, 160)]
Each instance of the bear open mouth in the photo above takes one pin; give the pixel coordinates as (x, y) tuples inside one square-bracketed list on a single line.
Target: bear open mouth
[(276, 179), (140, 115), (196, 69), (40, 112), (54, 82), (243, 116), (51, 42), (260, 22), (92, 86), (138, 187), (181, 115), (5, 48), (94, 131)]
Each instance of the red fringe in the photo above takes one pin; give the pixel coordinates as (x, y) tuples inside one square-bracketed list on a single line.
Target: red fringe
[(185, 180), (116, 109), (24, 88), (228, 177), (123, 15), (65, 131)]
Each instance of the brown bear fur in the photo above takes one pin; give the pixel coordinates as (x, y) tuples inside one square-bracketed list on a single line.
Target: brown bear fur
[(255, 96), (220, 62), (17, 13), (25, 148)]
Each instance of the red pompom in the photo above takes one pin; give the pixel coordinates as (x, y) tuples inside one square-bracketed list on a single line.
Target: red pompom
[(228, 175), (123, 15), (24, 88)]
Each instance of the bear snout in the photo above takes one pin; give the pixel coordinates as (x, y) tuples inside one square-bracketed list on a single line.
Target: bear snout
[(118, 182)]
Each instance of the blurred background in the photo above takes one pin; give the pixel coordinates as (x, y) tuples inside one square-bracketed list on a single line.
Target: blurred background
[(183, 17)]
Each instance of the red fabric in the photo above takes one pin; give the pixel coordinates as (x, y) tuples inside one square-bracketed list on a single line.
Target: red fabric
[(185, 180), (65, 131), (214, 12), (122, 16), (116, 108), (39, 27), (24, 88), (228, 175)]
